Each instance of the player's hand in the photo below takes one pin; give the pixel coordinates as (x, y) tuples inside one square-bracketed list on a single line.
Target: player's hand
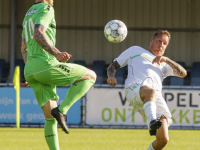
[(112, 81), (159, 59), (25, 84), (63, 56)]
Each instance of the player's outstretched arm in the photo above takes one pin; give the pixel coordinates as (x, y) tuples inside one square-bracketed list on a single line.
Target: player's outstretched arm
[(24, 50), (179, 71), (43, 40), (112, 68)]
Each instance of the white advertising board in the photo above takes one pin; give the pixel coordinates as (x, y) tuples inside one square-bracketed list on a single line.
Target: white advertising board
[(108, 106)]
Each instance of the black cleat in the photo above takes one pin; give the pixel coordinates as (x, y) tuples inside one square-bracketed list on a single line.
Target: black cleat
[(61, 119), (154, 125)]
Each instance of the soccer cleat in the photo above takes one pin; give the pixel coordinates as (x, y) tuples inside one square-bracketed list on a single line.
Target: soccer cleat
[(154, 125), (61, 118)]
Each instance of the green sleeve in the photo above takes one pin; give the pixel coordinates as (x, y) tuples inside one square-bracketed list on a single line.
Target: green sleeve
[(44, 16)]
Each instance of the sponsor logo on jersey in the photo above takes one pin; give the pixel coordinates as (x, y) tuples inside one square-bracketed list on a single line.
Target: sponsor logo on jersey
[(65, 69), (31, 12)]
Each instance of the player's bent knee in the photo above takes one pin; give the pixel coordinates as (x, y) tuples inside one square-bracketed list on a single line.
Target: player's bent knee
[(93, 75), (90, 74), (147, 94), (148, 90)]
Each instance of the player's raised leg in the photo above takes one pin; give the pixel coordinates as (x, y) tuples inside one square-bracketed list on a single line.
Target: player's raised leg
[(75, 92)]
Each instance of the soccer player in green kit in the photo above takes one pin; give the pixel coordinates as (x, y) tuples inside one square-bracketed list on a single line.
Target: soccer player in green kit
[(46, 68)]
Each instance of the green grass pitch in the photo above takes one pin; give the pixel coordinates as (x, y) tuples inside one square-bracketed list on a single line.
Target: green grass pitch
[(95, 139)]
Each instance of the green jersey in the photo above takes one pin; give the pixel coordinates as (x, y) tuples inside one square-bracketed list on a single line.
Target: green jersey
[(37, 58)]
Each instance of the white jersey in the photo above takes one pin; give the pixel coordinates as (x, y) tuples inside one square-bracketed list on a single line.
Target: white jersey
[(140, 67)]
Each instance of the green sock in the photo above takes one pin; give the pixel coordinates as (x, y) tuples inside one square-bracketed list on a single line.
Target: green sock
[(50, 132), (75, 92)]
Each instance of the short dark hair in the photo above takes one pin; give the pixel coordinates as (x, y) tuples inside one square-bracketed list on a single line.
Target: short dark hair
[(161, 32)]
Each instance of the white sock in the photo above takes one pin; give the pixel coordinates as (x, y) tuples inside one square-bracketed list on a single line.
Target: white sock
[(150, 147), (150, 110)]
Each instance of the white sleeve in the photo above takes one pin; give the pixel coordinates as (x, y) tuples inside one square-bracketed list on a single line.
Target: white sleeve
[(123, 58), (168, 71)]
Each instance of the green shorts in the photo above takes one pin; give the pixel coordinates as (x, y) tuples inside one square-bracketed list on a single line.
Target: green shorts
[(44, 82)]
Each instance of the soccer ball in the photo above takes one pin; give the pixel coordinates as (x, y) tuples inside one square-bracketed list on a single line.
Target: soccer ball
[(115, 31)]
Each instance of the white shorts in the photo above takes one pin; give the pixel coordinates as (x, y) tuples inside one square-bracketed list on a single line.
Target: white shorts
[(133, 96)]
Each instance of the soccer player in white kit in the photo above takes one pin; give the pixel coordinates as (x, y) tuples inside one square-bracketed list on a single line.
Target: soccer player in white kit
[(143, 86)]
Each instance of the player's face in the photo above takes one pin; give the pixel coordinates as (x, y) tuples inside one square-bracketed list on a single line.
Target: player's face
[(50, 2), (158, 44)]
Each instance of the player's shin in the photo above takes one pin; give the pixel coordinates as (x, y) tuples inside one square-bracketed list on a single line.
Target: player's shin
[(75, 92), (51, 135), (150, 111)]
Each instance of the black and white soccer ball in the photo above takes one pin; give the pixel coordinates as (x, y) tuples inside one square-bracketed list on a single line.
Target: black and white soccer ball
[(115, 31)]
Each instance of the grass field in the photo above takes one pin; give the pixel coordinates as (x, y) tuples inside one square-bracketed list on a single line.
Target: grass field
[(96, 139)]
